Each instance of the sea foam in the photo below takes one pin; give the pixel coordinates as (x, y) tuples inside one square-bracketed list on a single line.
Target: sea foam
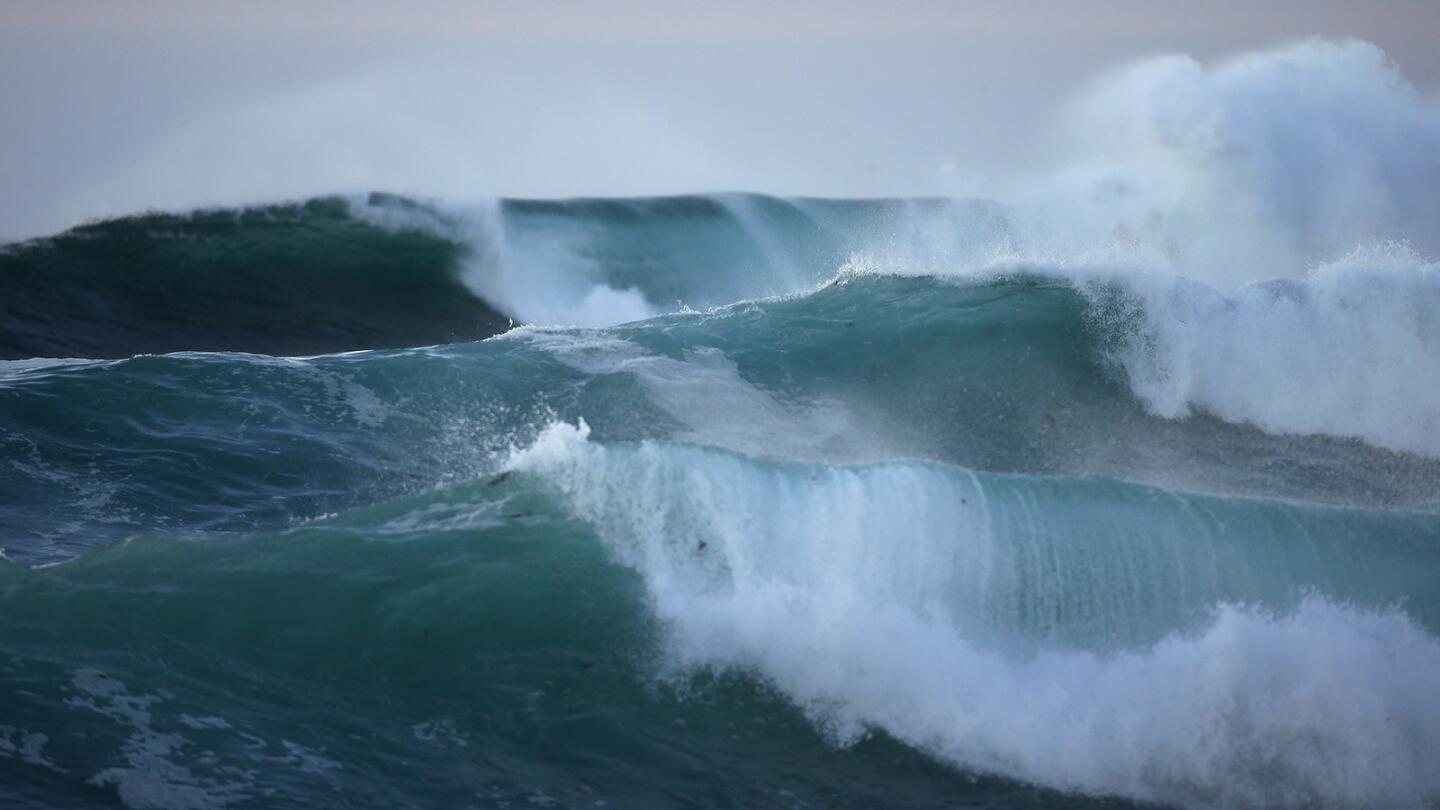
[(859, 593)]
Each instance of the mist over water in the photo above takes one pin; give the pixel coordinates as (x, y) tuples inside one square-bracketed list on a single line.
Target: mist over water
[(1115, 483)]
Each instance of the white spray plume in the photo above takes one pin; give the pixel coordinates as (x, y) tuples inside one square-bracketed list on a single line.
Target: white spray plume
[(1258, 167)]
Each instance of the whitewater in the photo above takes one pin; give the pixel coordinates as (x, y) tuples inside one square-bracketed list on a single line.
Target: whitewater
[(1118, 486)]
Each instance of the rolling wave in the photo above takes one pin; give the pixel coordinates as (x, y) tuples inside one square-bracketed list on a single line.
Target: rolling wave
[(1010, 374), (388, 272), (541, 634), (294, 279), (908, 598)]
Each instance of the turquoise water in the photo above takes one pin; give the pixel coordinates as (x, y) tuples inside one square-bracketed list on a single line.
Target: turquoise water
[(799, 515)]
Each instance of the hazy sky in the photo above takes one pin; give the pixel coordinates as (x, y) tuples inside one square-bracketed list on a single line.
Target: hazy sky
[(112, 107)]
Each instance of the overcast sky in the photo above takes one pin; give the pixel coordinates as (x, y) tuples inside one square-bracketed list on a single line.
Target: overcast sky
[(108, 107)]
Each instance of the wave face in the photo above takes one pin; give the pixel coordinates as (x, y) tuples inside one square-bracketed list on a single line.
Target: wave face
[(1101, 498), (383, 271), (284, 280)]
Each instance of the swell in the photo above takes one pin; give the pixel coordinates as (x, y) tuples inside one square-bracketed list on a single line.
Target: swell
[(601, 262), (1014, 374), (1011, 371), (602, 607), (293, 279), (384, 271)]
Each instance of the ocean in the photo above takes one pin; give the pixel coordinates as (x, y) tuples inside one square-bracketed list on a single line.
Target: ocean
[(788, 514), (1116, 487)]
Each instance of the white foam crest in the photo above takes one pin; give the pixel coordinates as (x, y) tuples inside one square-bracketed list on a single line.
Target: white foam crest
[(1350, 351), (545, 283), (831, 589)]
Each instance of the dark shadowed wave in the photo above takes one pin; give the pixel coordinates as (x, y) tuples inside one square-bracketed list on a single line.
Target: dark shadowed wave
[(290, 279)]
